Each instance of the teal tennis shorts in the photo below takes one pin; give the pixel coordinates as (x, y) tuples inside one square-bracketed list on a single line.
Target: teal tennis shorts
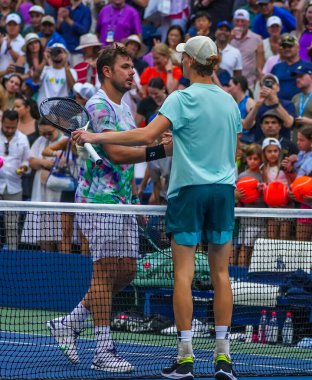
[(201, 213)]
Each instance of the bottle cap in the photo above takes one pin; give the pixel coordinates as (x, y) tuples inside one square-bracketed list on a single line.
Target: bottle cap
[(263, 312), (273, 313), (288, 314)]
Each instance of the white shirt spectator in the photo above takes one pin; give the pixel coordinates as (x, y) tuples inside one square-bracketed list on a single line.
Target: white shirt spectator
[(53, 83), (5, 56), (231, 59), (18, 155)]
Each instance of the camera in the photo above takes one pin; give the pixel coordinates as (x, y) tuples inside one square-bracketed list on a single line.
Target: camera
[(56, 51), (268, 83)]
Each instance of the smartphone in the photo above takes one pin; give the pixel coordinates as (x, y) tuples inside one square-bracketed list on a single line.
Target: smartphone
[(20, 69)]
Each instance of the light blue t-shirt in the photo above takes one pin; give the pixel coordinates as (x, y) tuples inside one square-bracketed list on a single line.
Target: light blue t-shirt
[(205, 123)]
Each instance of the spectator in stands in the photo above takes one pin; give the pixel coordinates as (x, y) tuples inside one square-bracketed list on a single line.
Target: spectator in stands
[(6, 7), (267, 9), (83, 92), (73, 22), (250, 45), (238, 88), (12, 87), (271, 44), (48, 34), (272, 172), (86, 69), (293, 7), (34, 55), (304, 28), (302, 100), (271, 126), (202, 25), (36, 12), (231, 58), (14, 148), (175, 35), (11, 44), (47, 226), (163, 68), (283, 70), (137, 50), (56, 79), (28, 116), (218, 9), (148, 107), (117, 21), (251, 7), (268, 99), (250, 229)]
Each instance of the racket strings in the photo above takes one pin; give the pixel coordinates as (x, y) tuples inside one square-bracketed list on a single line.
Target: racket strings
[(64, 112)]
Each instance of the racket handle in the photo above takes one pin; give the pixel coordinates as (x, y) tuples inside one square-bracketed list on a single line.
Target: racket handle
[(95, 157)]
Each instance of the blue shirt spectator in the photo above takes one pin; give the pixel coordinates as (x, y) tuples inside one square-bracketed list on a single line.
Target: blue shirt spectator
[(73, 22), (48, 34), (259, 26)]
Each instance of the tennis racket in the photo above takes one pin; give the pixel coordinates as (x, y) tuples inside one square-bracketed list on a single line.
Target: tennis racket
[(68, 116)]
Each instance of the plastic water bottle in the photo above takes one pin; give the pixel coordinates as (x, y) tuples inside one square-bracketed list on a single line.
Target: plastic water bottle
[(288, 330), (272, 332), (263, 326), (248, 333)]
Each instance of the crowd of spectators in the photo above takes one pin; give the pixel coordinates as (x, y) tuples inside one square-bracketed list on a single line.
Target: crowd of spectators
[(49, 48)]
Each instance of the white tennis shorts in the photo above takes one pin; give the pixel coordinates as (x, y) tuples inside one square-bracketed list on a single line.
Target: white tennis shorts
[(110, 235)]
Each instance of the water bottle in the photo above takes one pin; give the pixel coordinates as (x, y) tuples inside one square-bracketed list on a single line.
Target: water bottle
[(288, 330), (263, 326), (272, 332), (248, 333)]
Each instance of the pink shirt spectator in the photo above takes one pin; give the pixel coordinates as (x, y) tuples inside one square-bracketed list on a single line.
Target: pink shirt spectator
[(248, 46), (115, 24)]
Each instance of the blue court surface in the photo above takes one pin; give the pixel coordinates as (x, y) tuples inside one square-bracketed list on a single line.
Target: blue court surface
[(29, 356)]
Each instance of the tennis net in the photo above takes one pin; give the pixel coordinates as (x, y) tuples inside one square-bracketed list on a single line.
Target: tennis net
[(46, 270)]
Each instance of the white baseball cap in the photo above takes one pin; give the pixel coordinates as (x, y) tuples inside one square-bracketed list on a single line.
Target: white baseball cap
[(36, 9), (271, 141), (13, 17), (200, 48), (241, 14), (59, 45), (85, 90), (273, 20)]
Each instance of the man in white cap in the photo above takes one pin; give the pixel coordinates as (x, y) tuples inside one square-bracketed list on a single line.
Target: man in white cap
[(11, 45), (250, 45), (200, 194), (36, 12)]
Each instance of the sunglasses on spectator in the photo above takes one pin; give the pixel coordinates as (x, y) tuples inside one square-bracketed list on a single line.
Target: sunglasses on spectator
[(6, 148)]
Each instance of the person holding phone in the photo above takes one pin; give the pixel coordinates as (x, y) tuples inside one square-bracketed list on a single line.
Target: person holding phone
[(268, 99)]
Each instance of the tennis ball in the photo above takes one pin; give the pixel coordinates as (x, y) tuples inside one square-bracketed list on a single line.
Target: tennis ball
[(250, 187), (1, 162), (301, 186), (275, 194)]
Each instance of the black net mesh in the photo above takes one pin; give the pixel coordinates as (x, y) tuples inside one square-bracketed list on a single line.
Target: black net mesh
[(46, 270), (65, 113)]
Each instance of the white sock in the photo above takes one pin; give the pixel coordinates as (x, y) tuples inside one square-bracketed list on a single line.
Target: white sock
[(104, 339), (222, 341), (185, 336), (185, 348), (77, 317)]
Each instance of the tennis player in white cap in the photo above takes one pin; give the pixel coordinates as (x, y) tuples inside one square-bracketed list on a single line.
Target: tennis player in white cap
[(204, 121)]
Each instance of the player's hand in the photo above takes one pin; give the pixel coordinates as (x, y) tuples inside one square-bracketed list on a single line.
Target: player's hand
[(82, 137), (166, 138)]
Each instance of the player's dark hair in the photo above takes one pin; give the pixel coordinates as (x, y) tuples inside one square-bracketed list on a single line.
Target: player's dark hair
[(207, 69), (108, 57)]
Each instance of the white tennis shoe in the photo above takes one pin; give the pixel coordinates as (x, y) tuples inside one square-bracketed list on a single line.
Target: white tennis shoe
[(110, 361), (65, 337)]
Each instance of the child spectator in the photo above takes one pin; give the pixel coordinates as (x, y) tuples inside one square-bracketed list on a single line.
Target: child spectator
[(301, 165), (272, 172), (250, 228)]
